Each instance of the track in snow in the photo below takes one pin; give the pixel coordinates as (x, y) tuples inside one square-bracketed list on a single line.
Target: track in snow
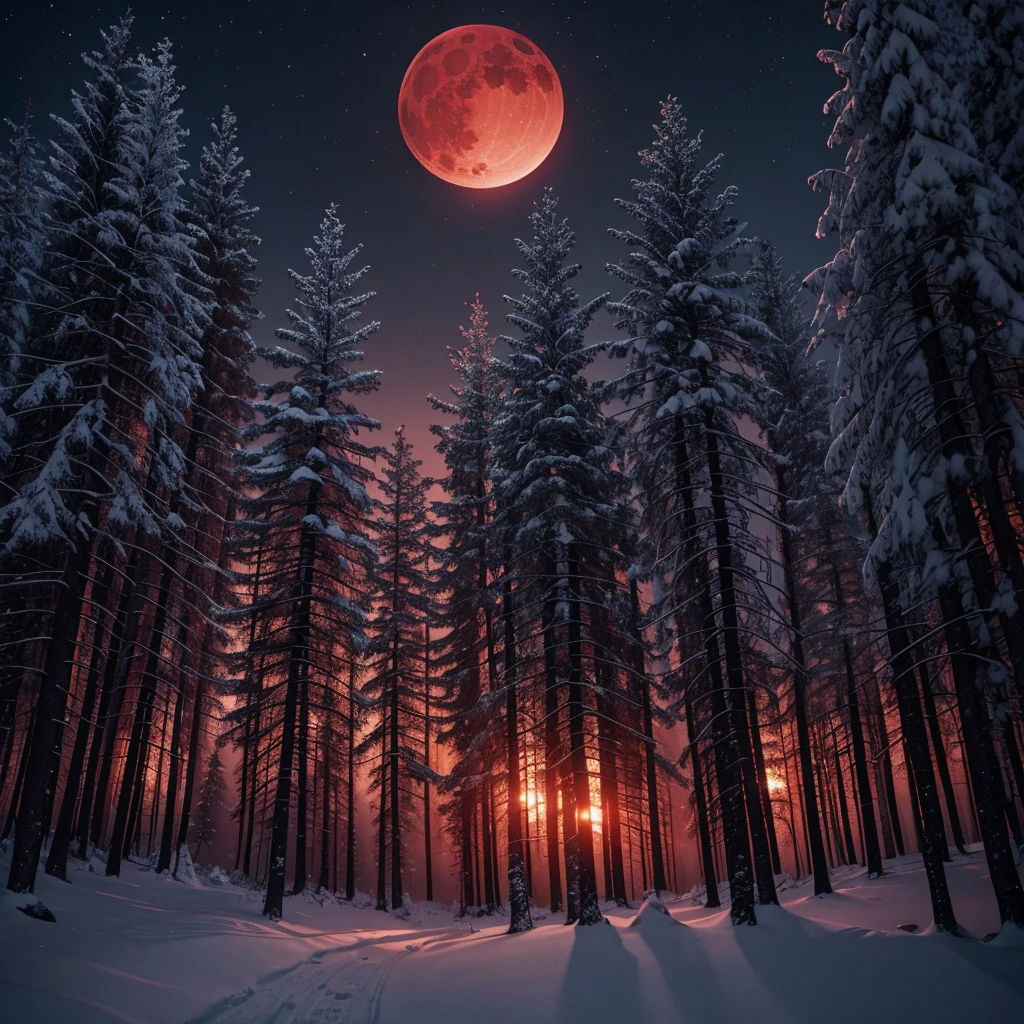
[(337, 985)]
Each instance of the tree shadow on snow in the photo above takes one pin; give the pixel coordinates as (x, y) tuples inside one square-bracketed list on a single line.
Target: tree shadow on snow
[(862, 975), (601, 979), (1005, 965), (684, 965)]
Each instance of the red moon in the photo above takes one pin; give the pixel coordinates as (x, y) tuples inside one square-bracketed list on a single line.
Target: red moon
[(480, 106)]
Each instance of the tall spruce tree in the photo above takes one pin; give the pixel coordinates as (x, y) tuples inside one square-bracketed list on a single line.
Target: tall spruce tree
[(395, 655), (22, 242), (921, 210), (104, 458), (464, 656), (795, 418), (560, 513), (691, 336), (220, 219), (310, 510)]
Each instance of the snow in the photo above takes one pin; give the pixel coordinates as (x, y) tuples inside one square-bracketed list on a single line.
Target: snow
[(145, 948)]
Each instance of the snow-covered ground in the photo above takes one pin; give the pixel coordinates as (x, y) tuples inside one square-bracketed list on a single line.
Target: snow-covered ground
[(142, 948)]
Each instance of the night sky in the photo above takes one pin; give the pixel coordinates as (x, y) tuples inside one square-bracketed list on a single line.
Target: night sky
[(315, 90)]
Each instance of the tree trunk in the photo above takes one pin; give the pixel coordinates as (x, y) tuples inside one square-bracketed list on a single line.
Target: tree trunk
[(647, 724), (657, 860), (243, 780), (493, 848), (551, 757), (485, 843), (869, 830), (427, 859), (762, 782), (700, 799), (298, 663), (941, 761), (889, 784), (298, 674), (60, 845), (43, 759), (133, 830), (191, 767), (382, 842), (912, 721), (844, 809), (254, 703), (797, 866), (982, 764), (590, 911), (570, 842), (147, 691), (302, 795), (325, 810), (163, 862), (612, 828), (518, 901), (350, 793), (19, 778), (123, 629), (812, 817), (396, 818), (915, 804), (734, 664), (728, 767), (466, 853)]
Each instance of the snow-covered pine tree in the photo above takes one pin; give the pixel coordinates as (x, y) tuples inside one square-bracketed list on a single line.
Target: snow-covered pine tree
[(89, 155), (104, 460), (309, 511), (220, 217), (167, 321), (995, 95), (395, 654), (921, 213), (464, 654), (997, 88), (562, 519), (795, 418), (692, 339), (22, 241)]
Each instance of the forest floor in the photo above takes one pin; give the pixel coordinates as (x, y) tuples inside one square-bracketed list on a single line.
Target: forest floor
[(145, 949)]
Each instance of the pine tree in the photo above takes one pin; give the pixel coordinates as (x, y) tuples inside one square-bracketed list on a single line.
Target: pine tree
[(464, 654), (103, 460), (561, 517), (151, 216), (220, 218), (310, 509), (22, 241), (921, 210), (690, 337), (795, 417), (395, 653)]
